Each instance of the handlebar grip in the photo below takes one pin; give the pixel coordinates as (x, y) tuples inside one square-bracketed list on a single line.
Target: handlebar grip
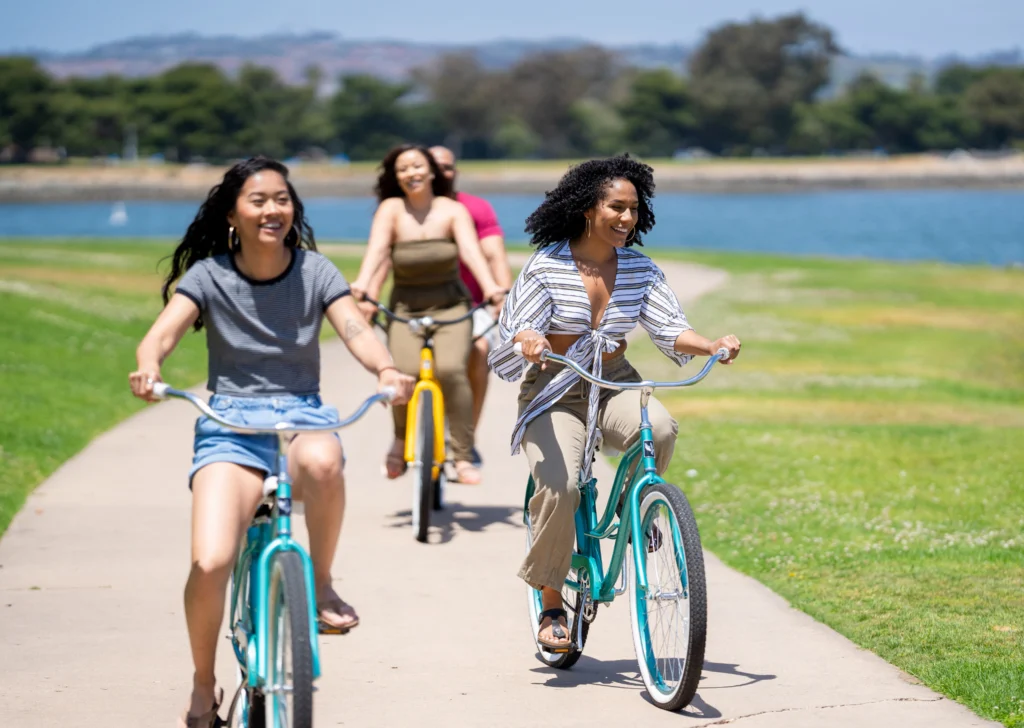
[(389, 392), (160, 389), (518, 349), (723, 354)]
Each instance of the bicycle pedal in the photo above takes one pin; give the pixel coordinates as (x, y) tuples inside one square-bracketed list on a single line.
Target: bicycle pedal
[(556, 651), (329, 630)]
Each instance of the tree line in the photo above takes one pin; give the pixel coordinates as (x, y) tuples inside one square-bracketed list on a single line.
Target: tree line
[(749, 88)]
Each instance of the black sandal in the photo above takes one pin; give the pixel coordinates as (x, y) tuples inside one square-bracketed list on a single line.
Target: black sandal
[(556, 631)]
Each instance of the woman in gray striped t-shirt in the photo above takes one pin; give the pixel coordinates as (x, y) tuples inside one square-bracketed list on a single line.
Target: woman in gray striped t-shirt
[(579, 295), (250, 275)]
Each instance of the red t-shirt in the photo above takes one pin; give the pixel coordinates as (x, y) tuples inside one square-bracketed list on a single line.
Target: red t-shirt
[(486, 222)]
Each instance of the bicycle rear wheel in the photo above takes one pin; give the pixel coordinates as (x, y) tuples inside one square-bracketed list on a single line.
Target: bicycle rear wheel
[(670, 620), (289, 695), (423, 467), (572, 602)]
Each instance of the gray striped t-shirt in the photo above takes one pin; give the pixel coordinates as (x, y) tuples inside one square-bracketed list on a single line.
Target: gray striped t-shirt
[(263, 337)]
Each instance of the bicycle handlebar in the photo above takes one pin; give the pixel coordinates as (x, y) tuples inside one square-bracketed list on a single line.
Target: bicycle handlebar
[(421, 322), (548, 355), (162, 390)]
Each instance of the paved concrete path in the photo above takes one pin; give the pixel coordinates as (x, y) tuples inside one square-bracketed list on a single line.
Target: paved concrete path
[(92, 628)]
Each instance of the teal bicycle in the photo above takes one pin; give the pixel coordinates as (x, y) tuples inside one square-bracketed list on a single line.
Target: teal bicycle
[(273, 621), (668, 605)]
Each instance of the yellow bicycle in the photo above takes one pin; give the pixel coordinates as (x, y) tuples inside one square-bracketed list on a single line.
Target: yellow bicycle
[(425, 446)]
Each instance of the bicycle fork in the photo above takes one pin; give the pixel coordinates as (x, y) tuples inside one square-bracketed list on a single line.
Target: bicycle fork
[(427, 382), (259, 649)]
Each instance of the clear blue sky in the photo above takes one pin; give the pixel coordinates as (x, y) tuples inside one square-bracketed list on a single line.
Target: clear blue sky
[(925, 27)]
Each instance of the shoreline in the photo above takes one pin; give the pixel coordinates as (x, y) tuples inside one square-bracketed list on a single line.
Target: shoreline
[(75, 183)]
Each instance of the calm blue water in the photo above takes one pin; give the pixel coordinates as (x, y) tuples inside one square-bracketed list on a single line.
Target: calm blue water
[(952, 225)]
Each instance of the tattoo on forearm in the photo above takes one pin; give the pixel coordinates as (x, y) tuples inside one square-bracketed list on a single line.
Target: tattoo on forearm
[(352, 329)]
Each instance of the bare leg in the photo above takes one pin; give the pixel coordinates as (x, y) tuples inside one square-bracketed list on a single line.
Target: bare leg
[(315, 464), (224, 499)]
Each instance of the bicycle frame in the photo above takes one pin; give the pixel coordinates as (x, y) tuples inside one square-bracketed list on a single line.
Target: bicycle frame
[(590, 529), (427, 382), (639, 467), (267, 536)]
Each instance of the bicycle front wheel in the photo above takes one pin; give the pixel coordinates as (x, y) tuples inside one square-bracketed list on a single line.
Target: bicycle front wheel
[(423, 467), (670, 619), (289, 694)]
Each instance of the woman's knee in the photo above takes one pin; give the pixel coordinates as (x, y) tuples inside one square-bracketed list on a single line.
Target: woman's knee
[(452, 379), (212, 565), (318, 463), (555, 495)]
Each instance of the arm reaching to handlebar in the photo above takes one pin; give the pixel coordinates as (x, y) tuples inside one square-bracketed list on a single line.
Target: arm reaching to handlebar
[(346, 318), (178, 316), (690, 342)]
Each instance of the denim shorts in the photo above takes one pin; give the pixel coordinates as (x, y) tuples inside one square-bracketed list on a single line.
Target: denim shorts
[(216, 444)]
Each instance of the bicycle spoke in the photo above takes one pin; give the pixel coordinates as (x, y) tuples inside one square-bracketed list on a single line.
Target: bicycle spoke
[(667, 605)]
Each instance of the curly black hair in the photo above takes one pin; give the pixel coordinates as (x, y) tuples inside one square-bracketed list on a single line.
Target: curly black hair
[(387, 182), (560, 216), (208, 233)]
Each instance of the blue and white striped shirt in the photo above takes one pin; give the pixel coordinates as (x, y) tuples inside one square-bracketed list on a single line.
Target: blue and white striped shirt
[(549, 297)]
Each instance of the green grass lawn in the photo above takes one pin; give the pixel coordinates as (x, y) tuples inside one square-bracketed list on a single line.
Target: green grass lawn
[(864, 457), (73, 314)]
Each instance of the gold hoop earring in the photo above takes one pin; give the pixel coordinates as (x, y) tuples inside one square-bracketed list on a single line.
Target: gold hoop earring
[(588, 226), (632, 234)]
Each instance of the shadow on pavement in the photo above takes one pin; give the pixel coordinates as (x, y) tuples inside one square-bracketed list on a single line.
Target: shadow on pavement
[(458, 517), (725, 668), (624, 674)]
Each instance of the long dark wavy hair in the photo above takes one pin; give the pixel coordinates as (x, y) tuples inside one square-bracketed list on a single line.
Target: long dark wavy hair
[(208, 233), (387, 182), (560, 216)]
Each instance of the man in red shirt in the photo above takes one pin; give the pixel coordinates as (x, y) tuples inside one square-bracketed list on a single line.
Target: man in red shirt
[(492, 242)]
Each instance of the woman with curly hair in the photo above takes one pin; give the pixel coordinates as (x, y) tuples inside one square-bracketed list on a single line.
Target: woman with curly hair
[(250, 275), (579, 295), (425, 232)]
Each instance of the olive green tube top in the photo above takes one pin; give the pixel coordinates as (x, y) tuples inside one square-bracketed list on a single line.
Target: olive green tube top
[(426, 275)]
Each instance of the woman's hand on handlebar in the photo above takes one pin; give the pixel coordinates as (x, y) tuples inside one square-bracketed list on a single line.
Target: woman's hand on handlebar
[(369, 310), (402, 384), (730, 343), (533, 346), (496, 297), (142, 382)]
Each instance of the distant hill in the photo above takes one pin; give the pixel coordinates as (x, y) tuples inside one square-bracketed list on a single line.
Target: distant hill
[(290, 55)]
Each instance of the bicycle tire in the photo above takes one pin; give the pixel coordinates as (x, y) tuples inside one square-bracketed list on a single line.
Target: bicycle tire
[(671, 680), (289, 630), (424, 455), (572, 602), (437, 500)]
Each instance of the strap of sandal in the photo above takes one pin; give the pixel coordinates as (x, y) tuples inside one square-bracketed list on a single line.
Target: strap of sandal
[(556, 629)]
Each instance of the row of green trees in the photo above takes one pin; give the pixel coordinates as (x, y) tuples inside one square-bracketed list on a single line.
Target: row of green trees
[(749, 88)]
